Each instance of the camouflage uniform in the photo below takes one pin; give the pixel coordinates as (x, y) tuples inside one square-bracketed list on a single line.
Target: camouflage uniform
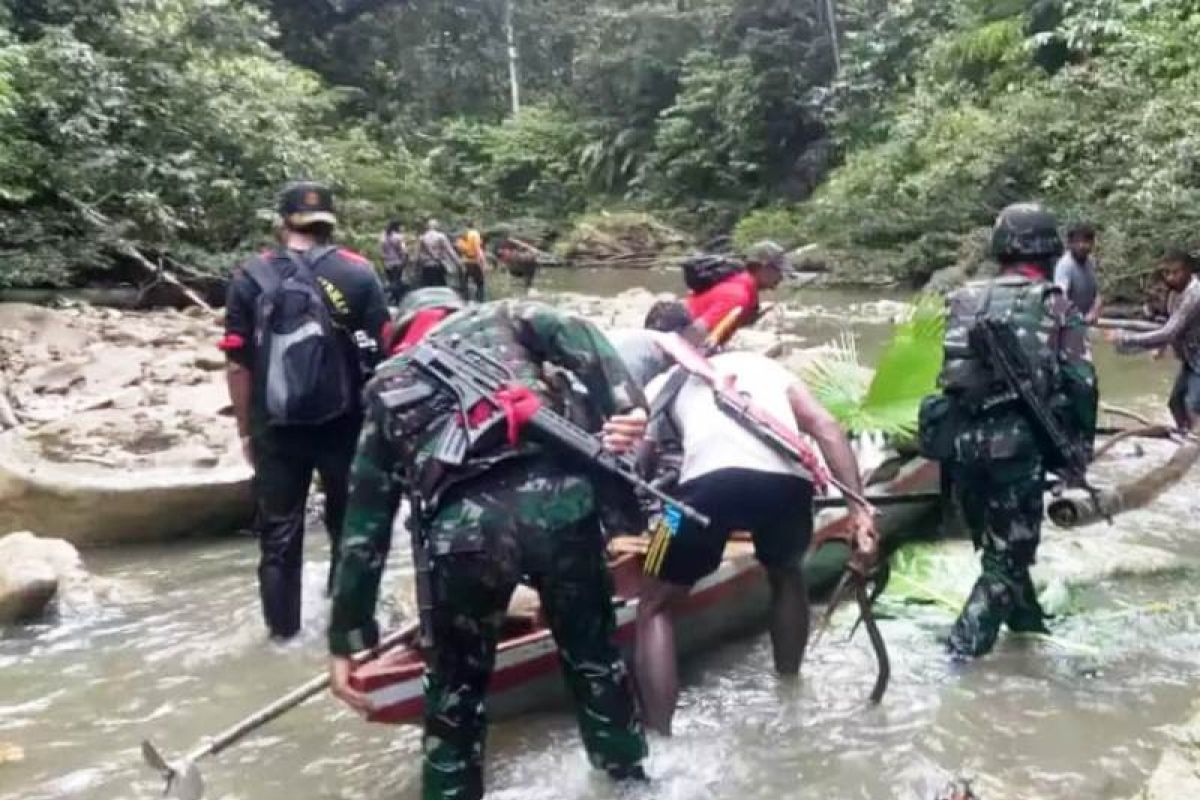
[(508, 513), (999, 472)]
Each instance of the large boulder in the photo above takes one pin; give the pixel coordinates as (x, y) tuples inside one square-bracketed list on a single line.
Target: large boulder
[(116, 426), (32, 572)]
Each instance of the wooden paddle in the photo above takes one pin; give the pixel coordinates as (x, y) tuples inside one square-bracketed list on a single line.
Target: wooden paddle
[(183, 777)]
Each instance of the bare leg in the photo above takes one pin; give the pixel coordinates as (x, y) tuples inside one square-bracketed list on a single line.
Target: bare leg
[(789, 618), (655, 661)]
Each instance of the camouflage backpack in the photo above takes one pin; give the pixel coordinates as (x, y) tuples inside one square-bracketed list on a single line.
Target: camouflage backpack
[(1021, 304)]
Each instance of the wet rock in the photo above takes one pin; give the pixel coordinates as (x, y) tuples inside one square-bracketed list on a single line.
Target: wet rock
[(127, 399), (210, 362), (55, 378), (31, 572)]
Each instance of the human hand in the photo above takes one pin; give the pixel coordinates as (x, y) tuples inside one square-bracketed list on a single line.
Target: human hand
[(864, 538), (1111, 336), (623, 432), (339, 685), (1159, 354)]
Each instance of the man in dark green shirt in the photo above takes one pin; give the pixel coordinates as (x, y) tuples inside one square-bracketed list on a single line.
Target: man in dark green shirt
[(510, 511)]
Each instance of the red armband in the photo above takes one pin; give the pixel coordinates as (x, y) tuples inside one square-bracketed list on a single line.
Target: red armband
[(231, 341), (520, 404)]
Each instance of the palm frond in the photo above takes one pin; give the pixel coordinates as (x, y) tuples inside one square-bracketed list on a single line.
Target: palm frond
[(837, 380), (907, 371)]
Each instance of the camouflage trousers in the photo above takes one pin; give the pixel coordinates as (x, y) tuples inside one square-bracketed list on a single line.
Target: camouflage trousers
[(472, 592), (1001, 502)]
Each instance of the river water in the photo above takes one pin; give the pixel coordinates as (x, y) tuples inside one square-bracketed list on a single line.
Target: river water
[(178, 653)]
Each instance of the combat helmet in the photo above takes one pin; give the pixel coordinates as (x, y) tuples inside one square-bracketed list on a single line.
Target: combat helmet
[(420, 300), (1026, 232)]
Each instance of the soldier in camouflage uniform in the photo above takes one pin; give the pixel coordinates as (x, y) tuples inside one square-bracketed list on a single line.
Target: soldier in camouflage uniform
[(509, 513), (980, 430)]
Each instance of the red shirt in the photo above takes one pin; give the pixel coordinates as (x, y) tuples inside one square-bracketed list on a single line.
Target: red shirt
[(713, 305)]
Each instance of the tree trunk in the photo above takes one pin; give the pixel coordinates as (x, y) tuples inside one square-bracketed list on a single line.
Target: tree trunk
[(510, 36), (1077, 508)]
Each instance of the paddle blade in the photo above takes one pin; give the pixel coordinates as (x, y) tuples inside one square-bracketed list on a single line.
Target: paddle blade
[(186, 783), (154, 759)]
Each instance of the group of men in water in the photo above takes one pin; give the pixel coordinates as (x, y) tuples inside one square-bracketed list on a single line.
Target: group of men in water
[(495, 505), (461, 263)]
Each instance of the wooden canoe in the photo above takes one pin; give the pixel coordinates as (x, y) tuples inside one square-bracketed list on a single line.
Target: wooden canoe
[(730, 601)]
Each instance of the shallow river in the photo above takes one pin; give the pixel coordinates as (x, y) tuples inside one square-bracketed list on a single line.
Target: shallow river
[(179, 653)]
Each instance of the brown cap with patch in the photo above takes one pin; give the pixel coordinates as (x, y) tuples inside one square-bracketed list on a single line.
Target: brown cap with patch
[(770, 254), (306, 203)]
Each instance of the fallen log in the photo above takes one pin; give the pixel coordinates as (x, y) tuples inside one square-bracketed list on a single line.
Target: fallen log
[(125, 297), (1117, 411), (1135, 325), (1076, 508), (1150, 432), (155, 274)]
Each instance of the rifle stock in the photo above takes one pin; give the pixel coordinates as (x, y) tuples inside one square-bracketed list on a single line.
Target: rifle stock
[(474, 378)]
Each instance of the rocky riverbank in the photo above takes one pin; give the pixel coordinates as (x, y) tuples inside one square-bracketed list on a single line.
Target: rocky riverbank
[(116, 425)]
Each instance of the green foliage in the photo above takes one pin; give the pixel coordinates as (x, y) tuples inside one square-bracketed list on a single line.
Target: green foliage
[(929, 574), (782, 224), (177, 120), (524, 165), (172, 119), (952, 110), (907, 371)]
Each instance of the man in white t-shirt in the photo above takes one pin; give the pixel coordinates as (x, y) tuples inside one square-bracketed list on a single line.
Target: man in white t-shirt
[(741, 483)]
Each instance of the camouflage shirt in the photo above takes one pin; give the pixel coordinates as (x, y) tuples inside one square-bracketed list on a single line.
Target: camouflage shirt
[(396, 453), (1062, 338)]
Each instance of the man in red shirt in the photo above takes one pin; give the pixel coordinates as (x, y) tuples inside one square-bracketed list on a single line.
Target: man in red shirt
[(766, 265)]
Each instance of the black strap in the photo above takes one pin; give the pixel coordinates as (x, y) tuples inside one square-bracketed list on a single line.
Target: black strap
[(306, 262), (660, 409)]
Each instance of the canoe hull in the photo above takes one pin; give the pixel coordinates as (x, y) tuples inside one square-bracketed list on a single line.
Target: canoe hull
[(732, 601)]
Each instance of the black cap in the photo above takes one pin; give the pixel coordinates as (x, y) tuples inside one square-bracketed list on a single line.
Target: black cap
[(305, 203)]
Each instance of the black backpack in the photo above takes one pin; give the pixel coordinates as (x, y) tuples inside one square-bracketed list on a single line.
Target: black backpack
[(301, 363), (701, 273)]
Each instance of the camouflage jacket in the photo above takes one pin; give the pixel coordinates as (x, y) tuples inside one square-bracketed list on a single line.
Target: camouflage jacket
[(1003, 432), (396, 454)]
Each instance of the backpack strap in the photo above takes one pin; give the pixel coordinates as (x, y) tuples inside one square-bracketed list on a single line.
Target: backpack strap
[(306, 263), (262, 271), (660, 419)]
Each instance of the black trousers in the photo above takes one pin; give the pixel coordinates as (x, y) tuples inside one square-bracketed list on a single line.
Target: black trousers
[(284, 461), (473, 274), (431, 274)]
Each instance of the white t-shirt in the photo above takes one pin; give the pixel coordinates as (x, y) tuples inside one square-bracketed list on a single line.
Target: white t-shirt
[(713, 440)]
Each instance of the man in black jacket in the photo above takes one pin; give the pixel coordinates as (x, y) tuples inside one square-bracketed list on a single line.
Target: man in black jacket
[(285, 454)]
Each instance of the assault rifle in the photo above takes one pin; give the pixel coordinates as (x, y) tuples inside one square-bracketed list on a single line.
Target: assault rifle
[(781, 438), (996, 343), (476, 379)]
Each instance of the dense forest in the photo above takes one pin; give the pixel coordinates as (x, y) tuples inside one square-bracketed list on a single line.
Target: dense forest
[(884, 132)]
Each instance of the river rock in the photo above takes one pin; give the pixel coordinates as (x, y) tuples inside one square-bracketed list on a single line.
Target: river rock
[(32, 569), (210, 362), (56, 378)]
